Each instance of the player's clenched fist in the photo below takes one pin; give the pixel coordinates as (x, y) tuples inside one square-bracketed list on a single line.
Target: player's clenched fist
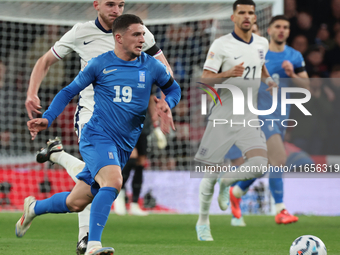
[(236, 71), (37, 125)]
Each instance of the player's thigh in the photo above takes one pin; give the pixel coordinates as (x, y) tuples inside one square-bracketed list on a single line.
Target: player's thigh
[(215, 143), (251, 141), (110, 176), (79, 197), (256, 153), (276, 150), (134, 153), (81, 117)]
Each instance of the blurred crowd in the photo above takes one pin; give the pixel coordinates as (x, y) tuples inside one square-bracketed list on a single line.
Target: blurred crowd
[(315, 32)]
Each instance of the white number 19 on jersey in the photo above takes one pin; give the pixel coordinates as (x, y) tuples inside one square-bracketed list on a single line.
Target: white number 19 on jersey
[(126, 94)]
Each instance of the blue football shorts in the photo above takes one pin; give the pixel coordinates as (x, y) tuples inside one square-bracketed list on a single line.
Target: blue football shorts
[(233, 153), (272, 127), (98, 150)]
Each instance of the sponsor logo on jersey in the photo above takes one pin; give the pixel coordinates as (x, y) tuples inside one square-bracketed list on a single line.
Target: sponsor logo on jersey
[(108, 71), (141, 85), (85, 43), (141, 76), (111, 155), (237, 57)]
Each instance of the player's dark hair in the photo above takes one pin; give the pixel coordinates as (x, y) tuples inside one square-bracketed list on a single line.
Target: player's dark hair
[(245, 2), (124, 21), (278, 17)]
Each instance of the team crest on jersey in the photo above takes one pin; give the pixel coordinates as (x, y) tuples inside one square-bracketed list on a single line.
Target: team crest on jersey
[(261, 54), (111, 155), (141, 76), (211, 55), (141, 80)]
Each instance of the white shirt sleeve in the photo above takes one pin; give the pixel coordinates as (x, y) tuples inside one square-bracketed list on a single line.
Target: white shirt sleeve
[(149, 40), (66, 44), (214, 58)]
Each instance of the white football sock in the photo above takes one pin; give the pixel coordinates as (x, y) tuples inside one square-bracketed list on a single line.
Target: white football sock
[(84, 221), (279, 207), (72, 165), (206, 192), (251, 168), (91, 244), (238, 192), (82, 231)]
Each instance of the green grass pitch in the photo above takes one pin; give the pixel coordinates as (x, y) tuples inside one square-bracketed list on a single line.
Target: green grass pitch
[(168, 234)]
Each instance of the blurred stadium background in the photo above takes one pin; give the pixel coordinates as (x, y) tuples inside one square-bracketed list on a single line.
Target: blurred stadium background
[(184, 31)]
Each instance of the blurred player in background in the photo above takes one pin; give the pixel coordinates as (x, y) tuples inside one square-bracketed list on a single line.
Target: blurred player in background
[(122, 81), (282, 61), (89, 40), (255, 29), (236, 55)]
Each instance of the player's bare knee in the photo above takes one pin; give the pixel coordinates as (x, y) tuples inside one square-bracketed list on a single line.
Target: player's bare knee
[(114, 181), (279, 160), (75, 206)]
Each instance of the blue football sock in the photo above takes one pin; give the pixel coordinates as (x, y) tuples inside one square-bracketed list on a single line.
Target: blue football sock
[(54, 204), (244, 185), (276, 186), (100, 210)]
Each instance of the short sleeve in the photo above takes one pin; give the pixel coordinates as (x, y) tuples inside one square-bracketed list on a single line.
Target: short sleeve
[(149, 40), (299, 63), (161, 74), (66, 44), (214, 58)]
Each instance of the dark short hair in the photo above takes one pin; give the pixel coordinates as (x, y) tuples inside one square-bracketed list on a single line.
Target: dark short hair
[(278, 17), (245, 2), (124, 21)]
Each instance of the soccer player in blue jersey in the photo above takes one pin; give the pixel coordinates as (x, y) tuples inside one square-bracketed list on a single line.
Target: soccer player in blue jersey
[(122, 81), (282, 61)]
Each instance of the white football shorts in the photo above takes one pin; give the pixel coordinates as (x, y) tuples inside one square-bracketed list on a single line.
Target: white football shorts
[(217, 141)]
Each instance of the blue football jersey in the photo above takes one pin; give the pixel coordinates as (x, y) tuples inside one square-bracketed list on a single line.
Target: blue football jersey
[(274, 62), (121, 94)]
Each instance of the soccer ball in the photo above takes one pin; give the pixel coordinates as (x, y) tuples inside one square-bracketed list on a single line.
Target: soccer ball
[(308, 245)]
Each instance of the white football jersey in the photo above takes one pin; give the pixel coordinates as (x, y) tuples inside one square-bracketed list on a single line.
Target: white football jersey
[(90, 40), (227, 52)]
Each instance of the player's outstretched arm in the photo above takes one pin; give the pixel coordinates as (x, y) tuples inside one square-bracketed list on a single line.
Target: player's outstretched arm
[(39, 72), (57, 106)]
